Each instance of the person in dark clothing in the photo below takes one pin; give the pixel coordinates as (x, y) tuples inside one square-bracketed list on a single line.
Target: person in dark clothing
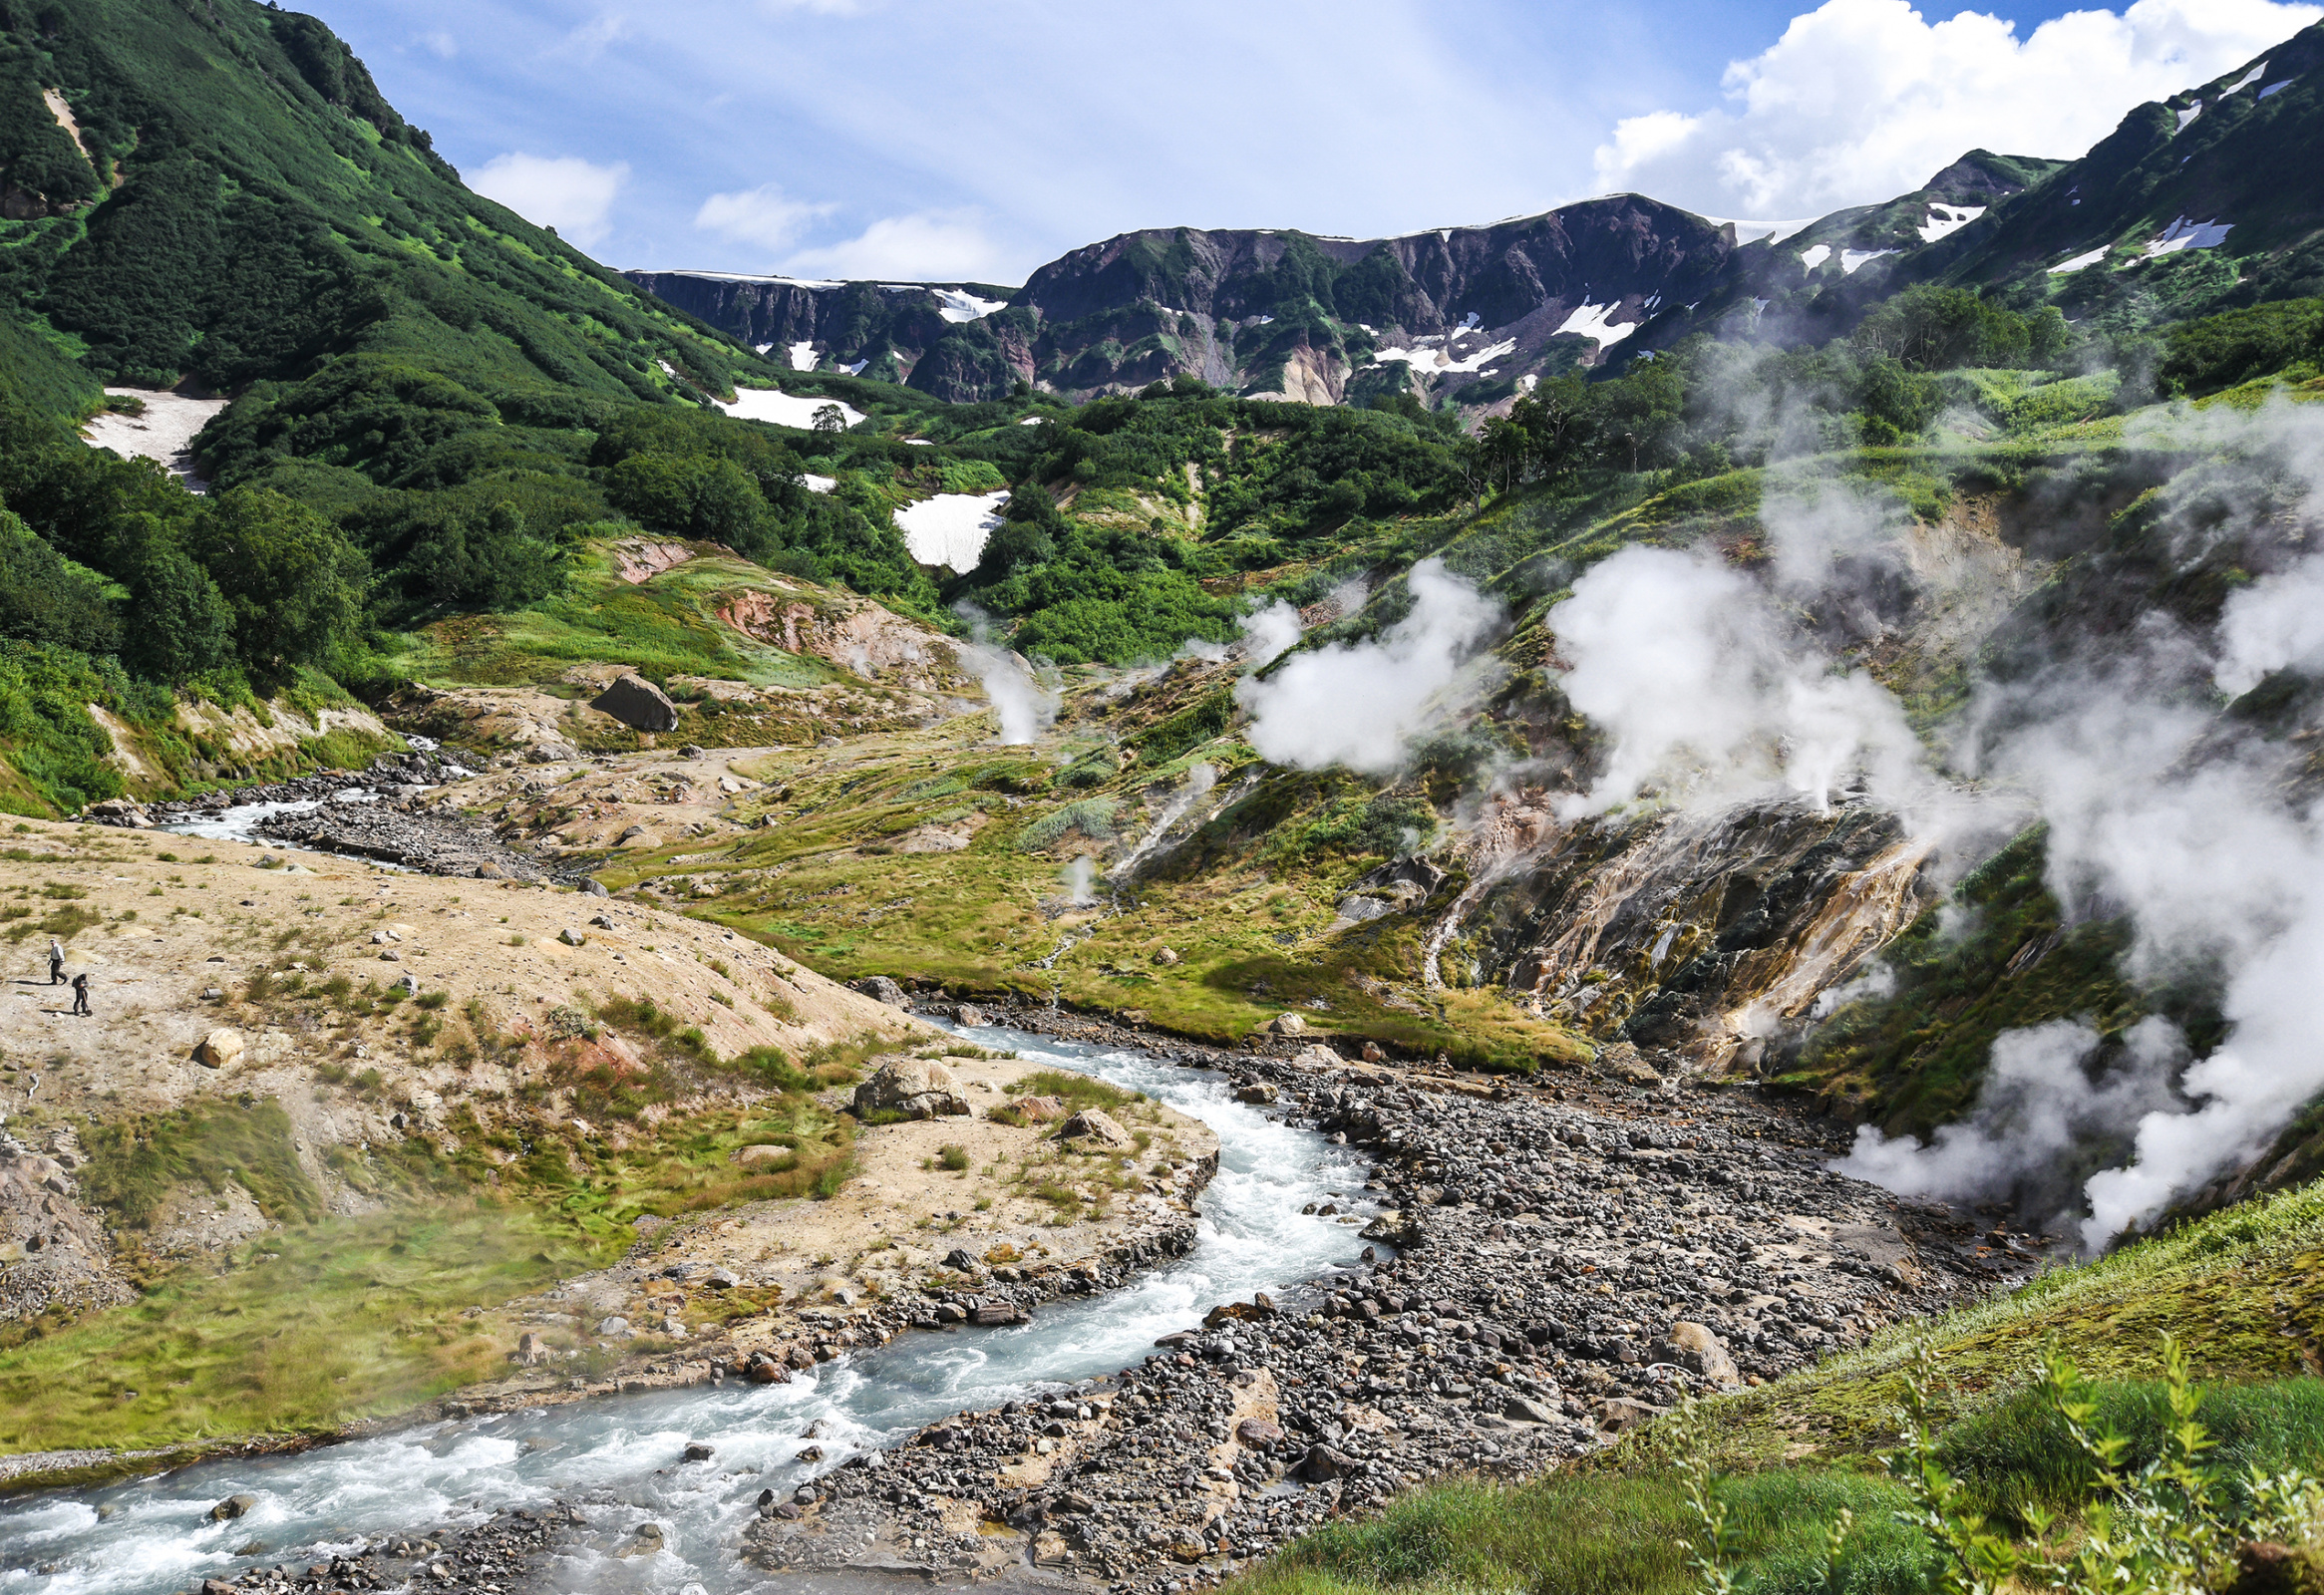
[(81, 994)]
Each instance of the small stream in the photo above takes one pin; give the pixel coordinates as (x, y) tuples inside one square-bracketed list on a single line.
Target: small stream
[(619, 1458), (244, 822)]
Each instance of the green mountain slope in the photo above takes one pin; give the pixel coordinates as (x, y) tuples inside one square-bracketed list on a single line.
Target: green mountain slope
[(2200, 202), (242, 203)]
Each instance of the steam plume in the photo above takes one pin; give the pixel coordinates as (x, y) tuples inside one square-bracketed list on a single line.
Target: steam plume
[(1358, 704), (1681, 661), (1024, 708)]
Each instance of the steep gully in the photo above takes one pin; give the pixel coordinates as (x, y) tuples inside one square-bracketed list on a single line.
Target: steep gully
[(1557, 1239)]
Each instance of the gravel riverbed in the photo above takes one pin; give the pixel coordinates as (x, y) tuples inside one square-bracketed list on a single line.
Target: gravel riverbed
[(1551, 1262)]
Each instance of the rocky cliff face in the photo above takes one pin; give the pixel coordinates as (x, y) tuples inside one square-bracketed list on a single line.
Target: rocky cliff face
[(1265, 312)]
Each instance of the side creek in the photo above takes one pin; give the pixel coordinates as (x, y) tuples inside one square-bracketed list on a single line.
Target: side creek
[(1574, 1256)]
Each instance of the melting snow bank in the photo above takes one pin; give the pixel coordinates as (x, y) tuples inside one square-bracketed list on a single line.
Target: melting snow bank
[(785, 408), (950, 529), (1595, 321), (1440, 359), (961, 305), (2185, 234), (1946, 221), (165, 432), (2080, 261)]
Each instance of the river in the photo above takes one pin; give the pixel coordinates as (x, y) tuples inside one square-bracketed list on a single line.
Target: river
[(618, 1457)]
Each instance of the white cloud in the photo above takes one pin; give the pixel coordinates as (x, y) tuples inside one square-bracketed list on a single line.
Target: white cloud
[(564, 192), (1863, 99), (927, 246), (760, 215), (440, 44), (591, 37)]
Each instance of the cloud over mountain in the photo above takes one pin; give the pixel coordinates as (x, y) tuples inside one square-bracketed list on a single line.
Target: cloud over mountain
[(1863, 98)]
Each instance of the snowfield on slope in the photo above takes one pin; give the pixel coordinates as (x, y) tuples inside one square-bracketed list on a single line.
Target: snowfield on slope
[(163, 433), (950, 529), (785, 408)]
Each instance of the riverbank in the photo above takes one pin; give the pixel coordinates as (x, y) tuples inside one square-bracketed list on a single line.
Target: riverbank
[(1576, 1255)]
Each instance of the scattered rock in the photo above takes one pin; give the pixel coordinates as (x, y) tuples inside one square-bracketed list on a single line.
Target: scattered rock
[(231, 1508), (595, 887), (645, 1541), (970, 1014), (571, 937), (1258, 1092), (218, 1049), (1287, 1025), (1097, 1126), (1037, 1110), (696, 1452), (551, 753), (994, 1313)]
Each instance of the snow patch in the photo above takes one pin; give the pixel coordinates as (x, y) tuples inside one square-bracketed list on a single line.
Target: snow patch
[(2080, 261), (1593, 321), (2275, 88), (784, 409), (1809, 259), (1032, 421), (165, 432), (740, 276), (855, 370), (1438, 360), (961, 305), (1754, 232), (2185, 234), (802, 356), (1944, 221), (815, 483), (1850, 259), (2245, 81), (2188, 115), (950, 529)]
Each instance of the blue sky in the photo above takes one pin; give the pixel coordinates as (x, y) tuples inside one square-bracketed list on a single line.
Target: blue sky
[(976, 139)]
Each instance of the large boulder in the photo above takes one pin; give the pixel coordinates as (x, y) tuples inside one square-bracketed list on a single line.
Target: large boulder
[(912, 1086), (218, 1049), (880, 989), (638, 704), (1701, 1353), (1097, 1128)]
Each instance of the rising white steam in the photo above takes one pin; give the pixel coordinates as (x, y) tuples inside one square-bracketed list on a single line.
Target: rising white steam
[(1025, 710), (2157, 811), (1268, 632), (1359, 704), (2276, 623), (1682, 662), (2036, 1108), (1199, 780), (1078, 874)]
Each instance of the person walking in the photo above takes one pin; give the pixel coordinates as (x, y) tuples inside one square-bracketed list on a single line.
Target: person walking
[(81, 995), (56, 962)]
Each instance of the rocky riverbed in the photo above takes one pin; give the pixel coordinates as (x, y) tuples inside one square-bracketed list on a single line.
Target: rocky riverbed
[(1552, 1263), (381, 813)]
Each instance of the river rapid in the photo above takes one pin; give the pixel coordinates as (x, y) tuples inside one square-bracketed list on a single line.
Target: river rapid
[(619, 1459)]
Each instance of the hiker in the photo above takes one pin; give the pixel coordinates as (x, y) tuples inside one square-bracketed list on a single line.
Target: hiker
[(81, 995), (56, 962)]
